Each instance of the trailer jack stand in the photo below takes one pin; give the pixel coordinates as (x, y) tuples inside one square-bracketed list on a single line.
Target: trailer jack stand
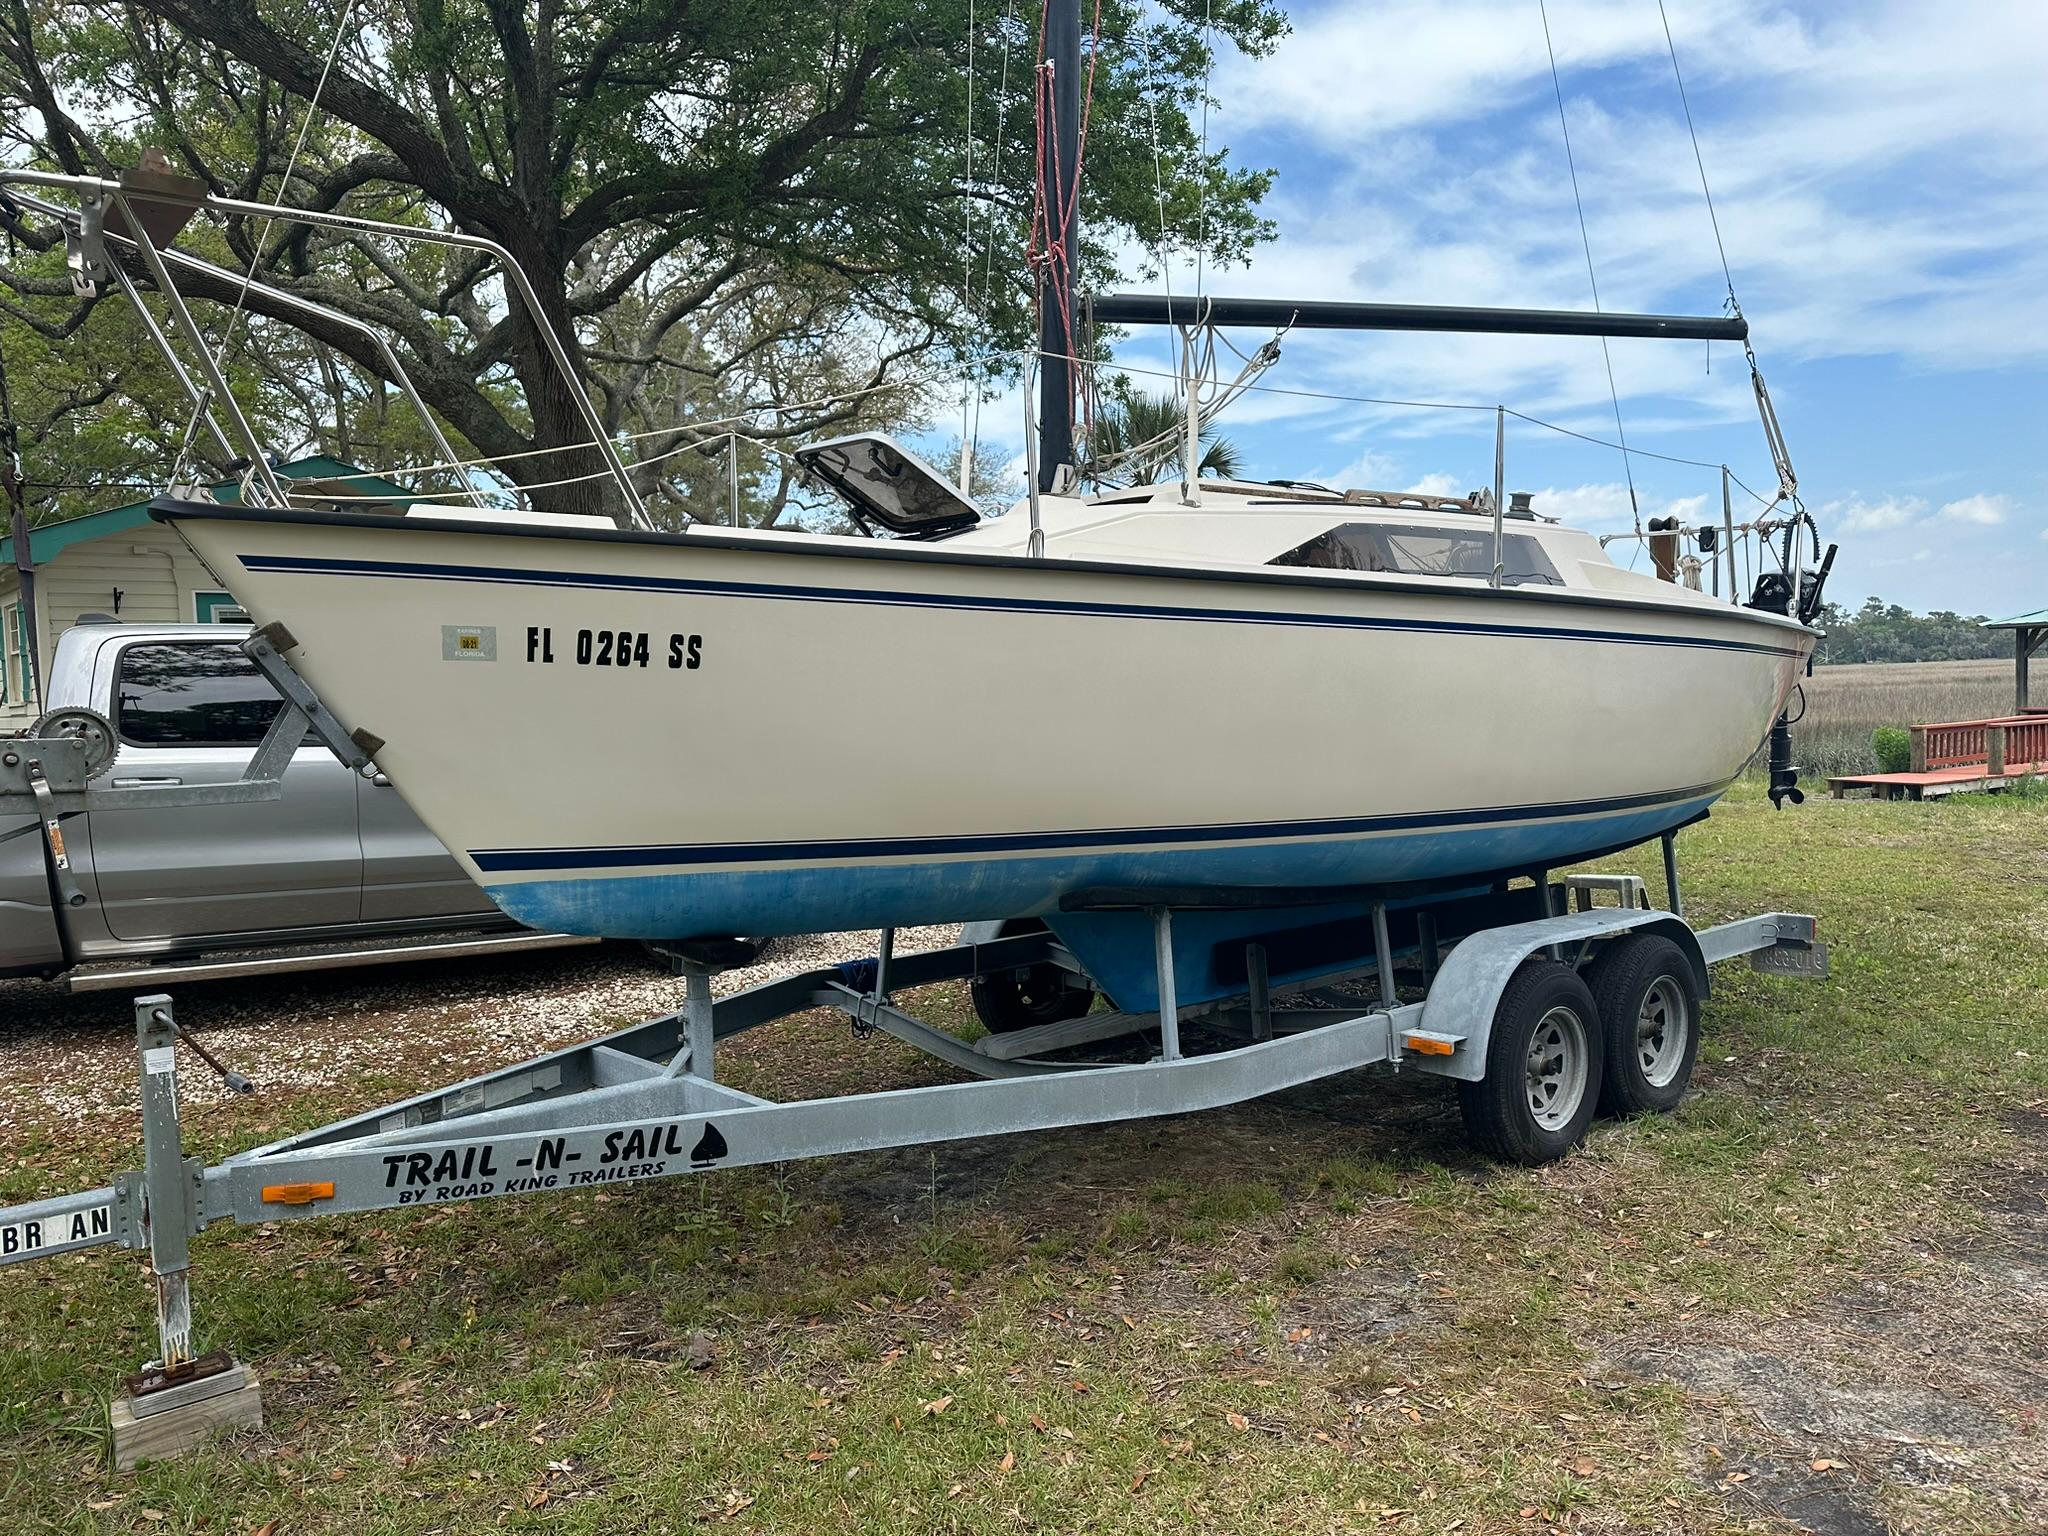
[(177, 1400)]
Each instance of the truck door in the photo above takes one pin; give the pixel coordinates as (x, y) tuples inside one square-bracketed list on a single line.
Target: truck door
[(192, 712), (406, 871)]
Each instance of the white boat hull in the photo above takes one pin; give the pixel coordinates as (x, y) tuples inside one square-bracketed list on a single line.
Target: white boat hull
[(803, 738)]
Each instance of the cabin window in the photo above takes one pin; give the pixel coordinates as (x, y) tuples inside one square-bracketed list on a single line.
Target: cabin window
[(1416, 551), (179, 695)]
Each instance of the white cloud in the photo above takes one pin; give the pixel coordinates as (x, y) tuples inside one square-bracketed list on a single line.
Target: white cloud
[(1856, 515), (1604, 507), (1368, 471), (1988, 511), (1876, 189)]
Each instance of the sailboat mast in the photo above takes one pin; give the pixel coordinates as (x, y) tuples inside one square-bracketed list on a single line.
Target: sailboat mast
[(1059, 151)]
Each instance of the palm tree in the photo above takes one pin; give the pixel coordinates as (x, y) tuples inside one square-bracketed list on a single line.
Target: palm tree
[(1139, 437)]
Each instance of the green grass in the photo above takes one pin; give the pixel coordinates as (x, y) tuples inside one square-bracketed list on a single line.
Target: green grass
[(1319, 1313)]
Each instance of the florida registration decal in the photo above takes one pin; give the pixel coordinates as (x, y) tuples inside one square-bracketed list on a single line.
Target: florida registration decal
[(616, 648)]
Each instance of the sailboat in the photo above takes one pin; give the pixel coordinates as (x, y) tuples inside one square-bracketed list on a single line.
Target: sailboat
[(1252, 691), (726, 731)]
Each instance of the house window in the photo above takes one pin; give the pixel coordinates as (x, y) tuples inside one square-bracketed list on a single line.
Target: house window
[(13, 654), (217, 607)]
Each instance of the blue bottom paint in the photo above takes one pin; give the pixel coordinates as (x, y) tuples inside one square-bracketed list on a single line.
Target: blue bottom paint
[(835, 897), (1116, 948)]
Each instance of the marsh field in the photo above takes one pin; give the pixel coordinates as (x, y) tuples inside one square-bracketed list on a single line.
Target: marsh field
[(1845, 704), (1815, 1298)]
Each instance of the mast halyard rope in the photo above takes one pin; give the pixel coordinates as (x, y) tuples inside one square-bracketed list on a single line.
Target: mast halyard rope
[(1055, 207), (1586, 240)]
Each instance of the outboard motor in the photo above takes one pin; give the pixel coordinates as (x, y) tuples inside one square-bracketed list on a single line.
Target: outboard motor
[(1784, 777), (1773, 594)]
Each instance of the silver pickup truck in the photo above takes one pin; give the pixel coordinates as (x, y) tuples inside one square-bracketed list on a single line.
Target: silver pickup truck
[(338, 857)]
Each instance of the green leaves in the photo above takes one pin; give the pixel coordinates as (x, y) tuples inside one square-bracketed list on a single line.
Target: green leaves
[(728, 206)]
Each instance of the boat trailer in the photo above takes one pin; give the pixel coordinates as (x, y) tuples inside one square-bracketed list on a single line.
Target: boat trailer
[(1504, 993)]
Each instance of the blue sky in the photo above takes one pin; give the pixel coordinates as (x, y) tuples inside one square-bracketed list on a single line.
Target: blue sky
[(1881, 175)]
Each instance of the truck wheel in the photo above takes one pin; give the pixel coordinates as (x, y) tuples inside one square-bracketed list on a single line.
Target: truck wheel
[(1649, 1002), (1542, 1067), (1007, 1001)]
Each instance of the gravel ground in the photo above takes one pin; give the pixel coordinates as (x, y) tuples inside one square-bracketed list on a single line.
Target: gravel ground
[(66, 1058)]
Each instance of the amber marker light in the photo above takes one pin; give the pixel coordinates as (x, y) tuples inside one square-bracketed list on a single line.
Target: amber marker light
[(297, 1194)]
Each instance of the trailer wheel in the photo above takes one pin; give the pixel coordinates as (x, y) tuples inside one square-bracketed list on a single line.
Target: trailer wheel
[(1007, 1001), (1649, 1002), (1543, 1075)]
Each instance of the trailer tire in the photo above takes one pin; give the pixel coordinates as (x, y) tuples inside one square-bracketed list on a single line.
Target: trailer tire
[(1543, 1074), (1649, 1002), (1007, 1001)]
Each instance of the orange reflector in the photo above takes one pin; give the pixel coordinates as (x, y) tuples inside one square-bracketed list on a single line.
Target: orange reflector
[(1425, 1046), (297, 1194)]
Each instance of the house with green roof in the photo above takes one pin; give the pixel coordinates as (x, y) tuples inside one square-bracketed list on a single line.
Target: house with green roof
[(121, 564)]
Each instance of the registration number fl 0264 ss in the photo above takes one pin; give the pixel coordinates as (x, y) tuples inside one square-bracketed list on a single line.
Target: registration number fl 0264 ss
[(615, 648)]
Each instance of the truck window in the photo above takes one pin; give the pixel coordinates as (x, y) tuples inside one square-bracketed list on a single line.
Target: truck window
[(187, 695)]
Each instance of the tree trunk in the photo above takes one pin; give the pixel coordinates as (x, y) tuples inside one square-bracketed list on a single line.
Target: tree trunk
[(24, 555), (557, 418)]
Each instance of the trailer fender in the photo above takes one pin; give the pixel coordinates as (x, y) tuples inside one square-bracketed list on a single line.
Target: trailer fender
[(1468, 986)]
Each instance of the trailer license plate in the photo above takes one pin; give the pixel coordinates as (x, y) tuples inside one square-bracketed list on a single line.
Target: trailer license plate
[(1792, 960), (58, 1231)]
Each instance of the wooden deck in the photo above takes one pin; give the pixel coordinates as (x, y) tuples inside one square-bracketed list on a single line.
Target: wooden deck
[(1960, 755), (1936, 782)]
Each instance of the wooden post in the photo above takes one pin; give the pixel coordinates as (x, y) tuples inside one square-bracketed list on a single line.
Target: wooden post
[(1919, 735), (1994, 750)]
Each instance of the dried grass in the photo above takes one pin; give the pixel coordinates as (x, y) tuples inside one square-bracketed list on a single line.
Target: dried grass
[(1845, 704)]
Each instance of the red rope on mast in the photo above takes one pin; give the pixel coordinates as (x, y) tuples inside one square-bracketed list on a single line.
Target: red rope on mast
[(1046, 253)]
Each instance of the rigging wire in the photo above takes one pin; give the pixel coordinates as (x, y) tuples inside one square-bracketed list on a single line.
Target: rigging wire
[(970, 436), (1774, 436), (992, 359), (1698, 159), (1202, 168), (967, 256), (291, 165), (1586, 240)]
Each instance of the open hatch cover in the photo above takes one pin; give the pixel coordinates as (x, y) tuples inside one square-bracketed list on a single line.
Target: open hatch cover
[(886, 483)]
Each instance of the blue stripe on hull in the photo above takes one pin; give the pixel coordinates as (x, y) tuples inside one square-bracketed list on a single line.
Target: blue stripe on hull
[(821, 899), (1292, 618)]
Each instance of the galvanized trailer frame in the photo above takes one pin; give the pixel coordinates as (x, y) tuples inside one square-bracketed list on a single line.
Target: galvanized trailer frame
[(646, 1103)]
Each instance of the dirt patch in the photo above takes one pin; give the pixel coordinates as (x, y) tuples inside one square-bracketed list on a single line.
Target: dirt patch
[(1878, 1408)]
